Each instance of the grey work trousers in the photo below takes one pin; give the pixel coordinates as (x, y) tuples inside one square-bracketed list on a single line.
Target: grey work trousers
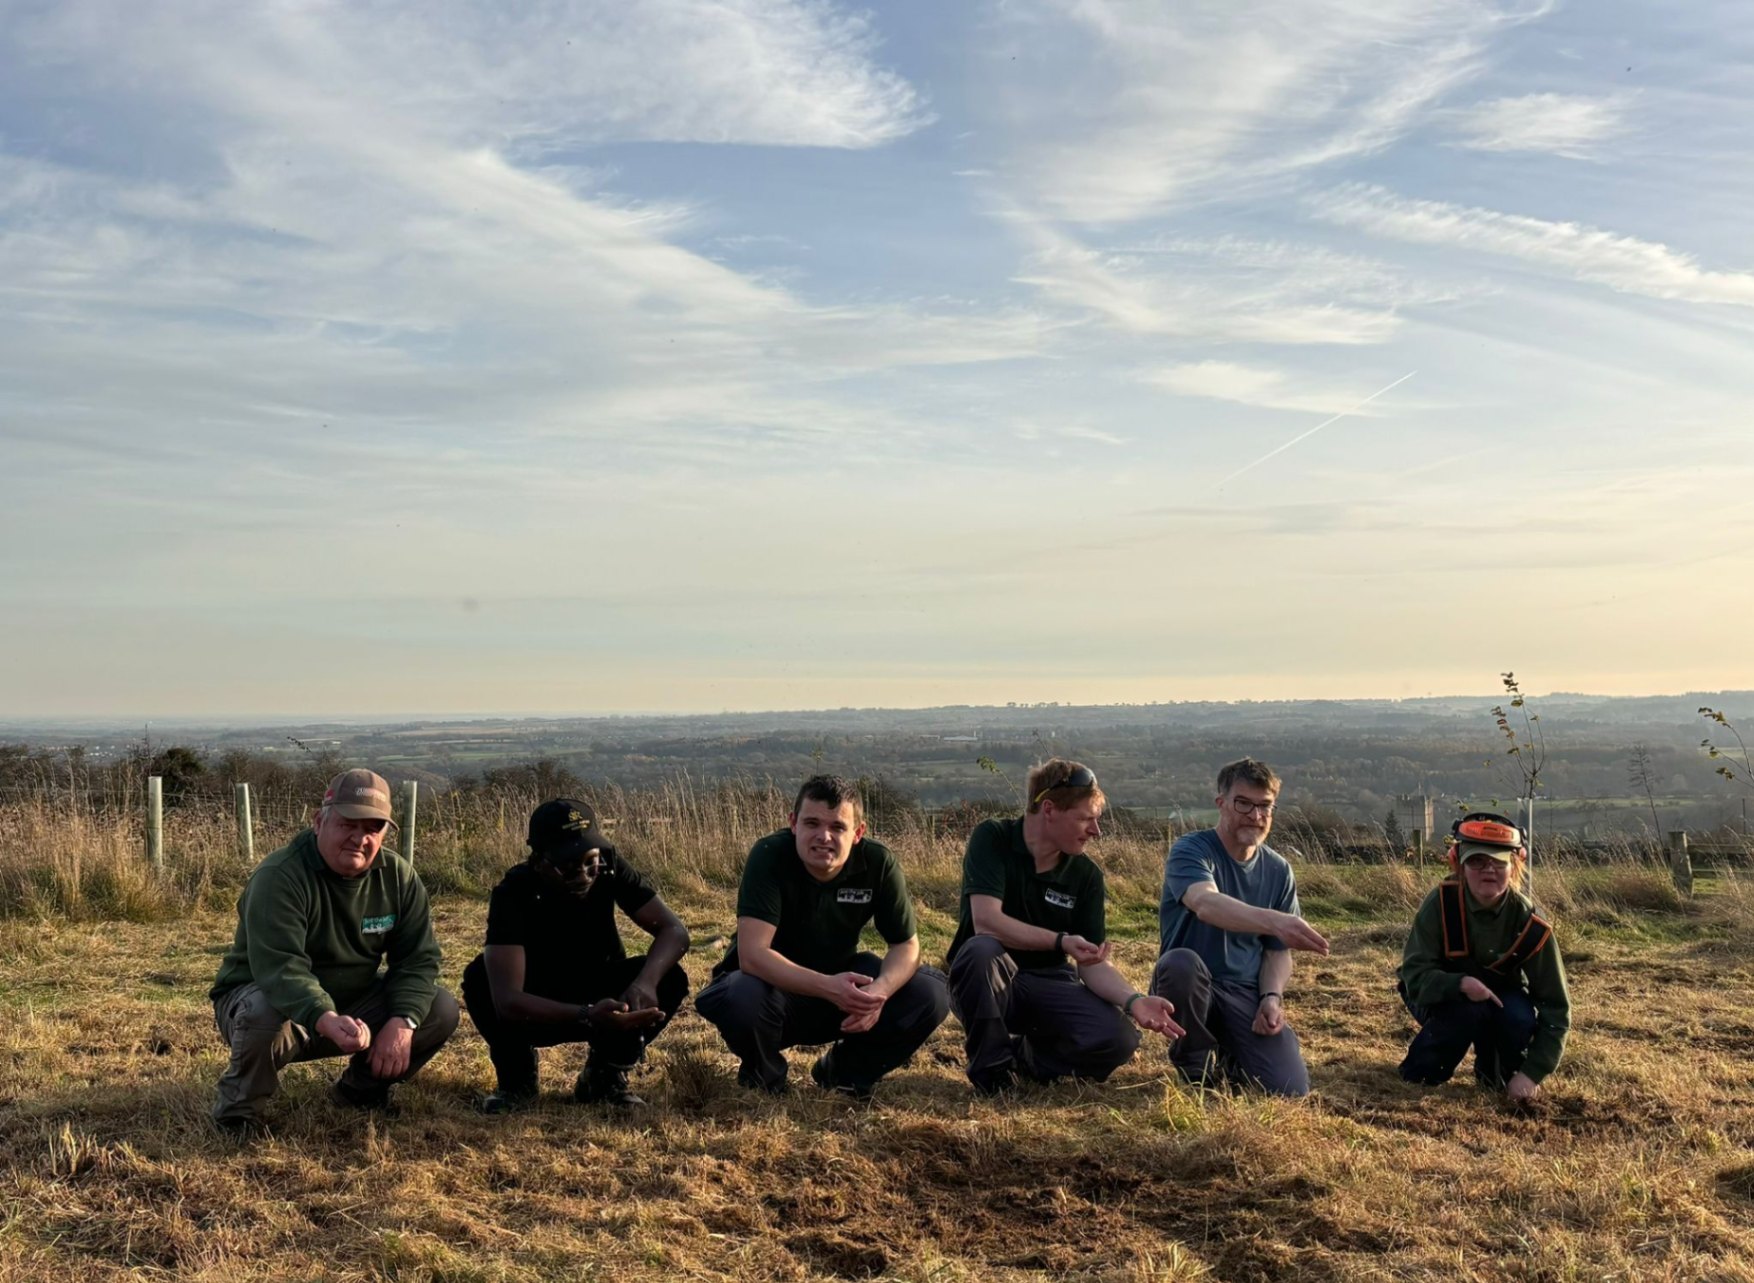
[(1220, 1042), (1044, 1024), (263, 1042)]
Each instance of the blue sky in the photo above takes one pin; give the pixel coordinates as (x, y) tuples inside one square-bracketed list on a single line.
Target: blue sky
[(374, 358)]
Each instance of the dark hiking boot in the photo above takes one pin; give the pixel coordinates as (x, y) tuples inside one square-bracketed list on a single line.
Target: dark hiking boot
[(606, 1085), (243, 1131), (749, 1082), (506, 1102), (376, 1099), (997, 1083), (825, 1076)]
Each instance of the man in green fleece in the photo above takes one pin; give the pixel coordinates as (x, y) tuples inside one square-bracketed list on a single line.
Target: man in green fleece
[(301, 978), (1482, 969)]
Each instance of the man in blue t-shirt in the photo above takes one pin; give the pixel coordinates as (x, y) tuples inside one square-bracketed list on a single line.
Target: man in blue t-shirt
[(1228, 921)]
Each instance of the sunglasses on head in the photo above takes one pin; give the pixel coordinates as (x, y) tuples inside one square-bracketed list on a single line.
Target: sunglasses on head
[(1081, 778)]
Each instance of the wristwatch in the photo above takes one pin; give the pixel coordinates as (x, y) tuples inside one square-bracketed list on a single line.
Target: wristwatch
[(410, 1021)]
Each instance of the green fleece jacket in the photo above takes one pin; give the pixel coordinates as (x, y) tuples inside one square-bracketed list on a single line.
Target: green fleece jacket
[(1430, 978), (314, 940)]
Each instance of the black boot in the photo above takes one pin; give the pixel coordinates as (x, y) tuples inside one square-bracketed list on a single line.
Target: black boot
[(603, 1084)]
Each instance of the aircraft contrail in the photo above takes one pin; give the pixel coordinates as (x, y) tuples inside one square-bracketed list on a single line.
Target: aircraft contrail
[(1318, 427)]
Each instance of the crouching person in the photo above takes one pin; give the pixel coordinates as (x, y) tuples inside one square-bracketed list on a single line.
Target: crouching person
[(1031, 899), (1228, 921), (554, 970), (795, 975), (301, 979), (1481, 969)]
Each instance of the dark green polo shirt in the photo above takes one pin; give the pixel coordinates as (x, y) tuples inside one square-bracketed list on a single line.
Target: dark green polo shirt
[(817, 924), (1068, 897)]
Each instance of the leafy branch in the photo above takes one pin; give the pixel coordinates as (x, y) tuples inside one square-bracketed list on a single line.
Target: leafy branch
[(992, 768), (1527, 746), (1725, 757)]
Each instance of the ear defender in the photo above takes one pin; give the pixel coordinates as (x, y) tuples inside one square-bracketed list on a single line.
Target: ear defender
[(1488, 828)]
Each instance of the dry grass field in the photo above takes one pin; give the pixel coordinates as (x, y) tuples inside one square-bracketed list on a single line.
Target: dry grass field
[(1637, 1164)]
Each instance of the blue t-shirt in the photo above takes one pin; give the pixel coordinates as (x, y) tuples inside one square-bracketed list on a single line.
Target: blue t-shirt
[(1265, 882)]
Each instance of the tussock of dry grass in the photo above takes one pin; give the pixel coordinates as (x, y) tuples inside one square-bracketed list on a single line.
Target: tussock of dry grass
[(1639, 1163)]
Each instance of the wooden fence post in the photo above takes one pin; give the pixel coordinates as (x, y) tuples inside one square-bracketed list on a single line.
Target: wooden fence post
[(410, 805), (155, 822), (1527, 816), (1680, 863), (1419, 847), (246, 830)]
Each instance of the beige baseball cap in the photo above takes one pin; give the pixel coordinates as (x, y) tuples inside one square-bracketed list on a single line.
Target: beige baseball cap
[(359, 794)]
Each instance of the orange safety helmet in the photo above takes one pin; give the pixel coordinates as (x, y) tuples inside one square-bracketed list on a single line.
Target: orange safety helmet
[(1482, 828)]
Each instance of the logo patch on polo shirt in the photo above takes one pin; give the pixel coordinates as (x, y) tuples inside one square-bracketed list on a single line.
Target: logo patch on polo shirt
[(853, 895), (1059, 899), (378, 925)]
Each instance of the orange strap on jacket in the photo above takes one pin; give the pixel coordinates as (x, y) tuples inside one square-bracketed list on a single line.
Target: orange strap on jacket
[(1455, 918), (1535, 934)]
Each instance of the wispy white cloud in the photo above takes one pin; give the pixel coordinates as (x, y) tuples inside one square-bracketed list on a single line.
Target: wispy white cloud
[(1569, 125), (1257, 385), (1160, 105), (370, 226), (551, 75), (1585, 253), (1185, 297)]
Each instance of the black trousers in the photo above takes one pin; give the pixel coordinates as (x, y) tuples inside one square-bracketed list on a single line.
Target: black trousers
[(758, 1022), (1500, 1037), (1044, 1023), (512, 1043)]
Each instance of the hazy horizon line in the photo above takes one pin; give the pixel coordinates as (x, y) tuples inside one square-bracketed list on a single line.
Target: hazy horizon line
[(122, 720)]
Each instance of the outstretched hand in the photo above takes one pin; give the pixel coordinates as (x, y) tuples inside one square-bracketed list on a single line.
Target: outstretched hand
[(612, 1013), (1157, 1014), (1084, 953), (1298, 934)]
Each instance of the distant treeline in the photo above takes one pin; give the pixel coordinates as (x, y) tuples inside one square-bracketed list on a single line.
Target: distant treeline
[(286, 786)]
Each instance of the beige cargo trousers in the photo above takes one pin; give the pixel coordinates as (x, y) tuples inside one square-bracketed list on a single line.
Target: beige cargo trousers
[(263, 1042)]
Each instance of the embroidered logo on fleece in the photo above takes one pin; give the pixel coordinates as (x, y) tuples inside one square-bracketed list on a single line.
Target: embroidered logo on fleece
[(1059, 899), (381, 923), (854, 895)]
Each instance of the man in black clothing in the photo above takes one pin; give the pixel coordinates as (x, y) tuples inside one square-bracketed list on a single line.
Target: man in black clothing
[(554, 970)]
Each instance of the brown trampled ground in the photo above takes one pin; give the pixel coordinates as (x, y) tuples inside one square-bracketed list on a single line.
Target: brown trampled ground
[(1639, 1164)]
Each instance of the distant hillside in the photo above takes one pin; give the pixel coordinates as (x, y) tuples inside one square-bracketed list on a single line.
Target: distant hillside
[(1355, 756)]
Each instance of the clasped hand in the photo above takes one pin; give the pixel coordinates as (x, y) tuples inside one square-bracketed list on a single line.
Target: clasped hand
[(852, 992)]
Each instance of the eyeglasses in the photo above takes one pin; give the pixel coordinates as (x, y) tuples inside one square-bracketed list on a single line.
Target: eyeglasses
[(1081, 778), (1242, 806), (576, 865)]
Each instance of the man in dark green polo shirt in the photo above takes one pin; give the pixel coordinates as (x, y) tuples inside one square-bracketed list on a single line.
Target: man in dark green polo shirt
[(795, 974), (301, 979), (1030, 899)]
